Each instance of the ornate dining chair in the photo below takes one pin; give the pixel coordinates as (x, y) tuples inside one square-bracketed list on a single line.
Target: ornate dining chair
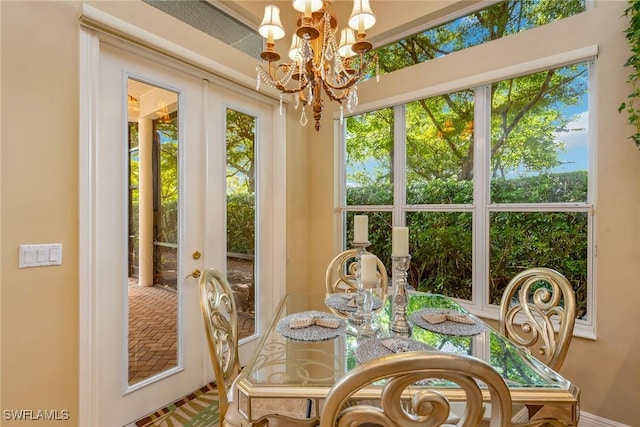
[(220, 317), (426, 406), (531, 302)]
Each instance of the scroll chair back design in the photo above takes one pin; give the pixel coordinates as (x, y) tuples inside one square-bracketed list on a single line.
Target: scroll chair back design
[(221, 326), (527, 310), (341, 273), (399, 404), (220, 317)]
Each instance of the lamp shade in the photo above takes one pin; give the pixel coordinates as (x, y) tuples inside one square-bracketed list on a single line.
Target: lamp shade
[(271, 27), (362, 18), (347, 39), (307, 5), (293, 50)]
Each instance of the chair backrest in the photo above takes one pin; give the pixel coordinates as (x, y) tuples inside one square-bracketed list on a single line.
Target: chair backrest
[(341, 273), (220, 317), (531, 300), (426, 405)]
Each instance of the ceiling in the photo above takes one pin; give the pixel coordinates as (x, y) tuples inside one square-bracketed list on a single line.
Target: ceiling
[(394, 17)]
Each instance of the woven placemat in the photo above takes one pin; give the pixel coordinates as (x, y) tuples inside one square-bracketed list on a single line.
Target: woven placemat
[(310, 333), (373, 348), (447, 327)]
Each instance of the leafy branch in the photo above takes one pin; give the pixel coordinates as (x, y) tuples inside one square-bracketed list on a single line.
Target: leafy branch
[(632, 34)]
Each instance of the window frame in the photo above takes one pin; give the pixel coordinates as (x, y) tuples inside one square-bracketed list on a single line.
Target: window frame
[(481, 208)]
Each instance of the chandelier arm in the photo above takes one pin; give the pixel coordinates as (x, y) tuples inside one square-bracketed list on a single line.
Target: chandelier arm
[(355, 78)]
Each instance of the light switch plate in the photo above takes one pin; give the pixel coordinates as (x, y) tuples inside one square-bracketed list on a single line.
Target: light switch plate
[(40, 255)]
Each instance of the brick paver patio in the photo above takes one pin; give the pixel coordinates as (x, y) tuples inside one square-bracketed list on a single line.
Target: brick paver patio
[(152, 329)]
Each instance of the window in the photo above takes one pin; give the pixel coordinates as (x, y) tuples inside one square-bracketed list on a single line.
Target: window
[(494, 22), (490, 180)]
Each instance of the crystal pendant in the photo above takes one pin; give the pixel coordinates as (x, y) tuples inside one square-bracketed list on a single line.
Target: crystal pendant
[(341, 114), (303, 117), (352, 100), (258, 81), (377, 71), (280, 104), (296, 102)]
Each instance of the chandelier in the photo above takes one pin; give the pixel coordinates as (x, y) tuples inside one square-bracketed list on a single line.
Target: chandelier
[(318, 63)]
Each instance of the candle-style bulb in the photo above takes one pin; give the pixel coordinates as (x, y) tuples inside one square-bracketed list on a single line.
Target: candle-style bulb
[(400, 241), (360, 228)]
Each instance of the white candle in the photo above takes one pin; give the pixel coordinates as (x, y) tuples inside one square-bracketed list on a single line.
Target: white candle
[(360, 228), (368, 266), (400, 241)]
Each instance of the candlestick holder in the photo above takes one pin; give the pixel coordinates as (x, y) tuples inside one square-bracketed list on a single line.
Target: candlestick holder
[(368, 328), (400, 323), (357, 317)]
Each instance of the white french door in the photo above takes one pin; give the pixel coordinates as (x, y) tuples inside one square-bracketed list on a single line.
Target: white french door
[(253, 169), (140, 108), (141, 97)]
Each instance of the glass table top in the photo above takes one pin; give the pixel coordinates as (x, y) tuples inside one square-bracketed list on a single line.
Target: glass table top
[(284, 362)]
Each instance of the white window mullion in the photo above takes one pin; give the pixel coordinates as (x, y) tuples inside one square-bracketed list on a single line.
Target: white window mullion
[(340, 184), (399, 165), (481, 196)]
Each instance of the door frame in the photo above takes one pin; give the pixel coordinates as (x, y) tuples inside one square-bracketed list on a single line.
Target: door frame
[(89, 50)]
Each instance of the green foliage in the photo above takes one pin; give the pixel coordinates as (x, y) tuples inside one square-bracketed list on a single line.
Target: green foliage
[(241, 220), (241, 165), (632, 33), (527, 111), (548, 188), (441, 242), (492, 23)]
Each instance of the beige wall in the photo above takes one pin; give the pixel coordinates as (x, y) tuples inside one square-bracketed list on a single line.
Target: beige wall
[(39, 195), (39, 312)]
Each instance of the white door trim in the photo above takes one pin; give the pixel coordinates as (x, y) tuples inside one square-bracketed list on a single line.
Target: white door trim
[(89, 70)]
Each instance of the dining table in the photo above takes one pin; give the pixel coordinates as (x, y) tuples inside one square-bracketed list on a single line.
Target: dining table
[(295, 363)]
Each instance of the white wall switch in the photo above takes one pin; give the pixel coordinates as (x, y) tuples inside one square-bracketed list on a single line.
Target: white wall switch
[(40, 255)]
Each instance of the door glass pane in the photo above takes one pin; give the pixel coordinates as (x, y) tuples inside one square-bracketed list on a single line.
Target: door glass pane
[(241, 216), (153, 225)]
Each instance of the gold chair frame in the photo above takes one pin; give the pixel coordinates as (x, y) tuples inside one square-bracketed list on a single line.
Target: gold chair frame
[(397, 404), (221, 325), (529, 322), (220, 317)]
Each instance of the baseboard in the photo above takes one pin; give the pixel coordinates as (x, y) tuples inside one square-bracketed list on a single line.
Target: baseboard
[(590, 420)]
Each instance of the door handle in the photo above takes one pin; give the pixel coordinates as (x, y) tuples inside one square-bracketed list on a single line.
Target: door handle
[(195, 273)]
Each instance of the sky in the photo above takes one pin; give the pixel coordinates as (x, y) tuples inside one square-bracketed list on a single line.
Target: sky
[(576, 144)]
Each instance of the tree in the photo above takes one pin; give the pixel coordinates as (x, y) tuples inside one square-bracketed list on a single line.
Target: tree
[(240, 151), (526, 111)]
